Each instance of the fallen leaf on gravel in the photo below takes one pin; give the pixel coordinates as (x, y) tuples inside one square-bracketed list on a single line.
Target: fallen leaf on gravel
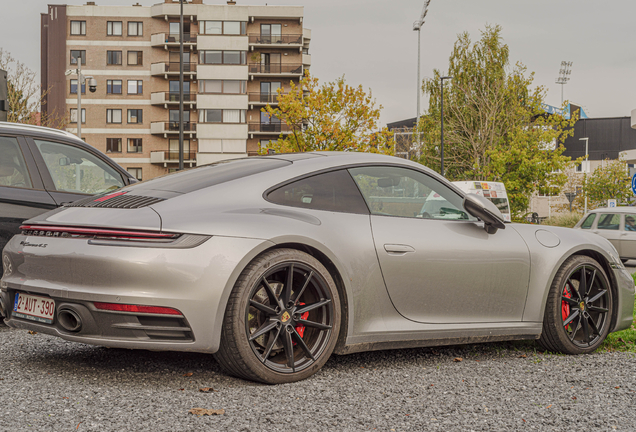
[(31, 332), (435, 352), (189, 374), (617, 387), (573, 397), (206, 390), (64, 397), (457, 359), (202, 411), (181, 389), (78, 425), (548, 406), (522, 356)]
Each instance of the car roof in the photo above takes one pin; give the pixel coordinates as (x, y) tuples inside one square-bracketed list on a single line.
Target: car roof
[(623, 209)]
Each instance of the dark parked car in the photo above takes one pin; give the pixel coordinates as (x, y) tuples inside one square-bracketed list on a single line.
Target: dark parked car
[(42, 168)]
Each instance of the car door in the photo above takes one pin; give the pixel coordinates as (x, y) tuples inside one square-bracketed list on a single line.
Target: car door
[(608, 226), (22, 195), (438, 262), (70, 172), (628, 236)]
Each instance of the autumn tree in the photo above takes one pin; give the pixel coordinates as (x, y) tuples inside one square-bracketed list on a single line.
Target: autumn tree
[(332, 116), (25, 97), (494, 125)]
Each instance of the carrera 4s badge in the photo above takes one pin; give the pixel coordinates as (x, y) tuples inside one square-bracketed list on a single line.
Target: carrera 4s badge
[(28, 244)]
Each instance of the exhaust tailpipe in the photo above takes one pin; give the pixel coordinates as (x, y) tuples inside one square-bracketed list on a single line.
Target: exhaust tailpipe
[(69, 320)]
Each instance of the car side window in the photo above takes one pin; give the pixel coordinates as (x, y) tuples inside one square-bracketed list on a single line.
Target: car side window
[(587, 223), (630, 222), (13, 170), (609, 221), (332, 191), (76, 170), (402, 192)]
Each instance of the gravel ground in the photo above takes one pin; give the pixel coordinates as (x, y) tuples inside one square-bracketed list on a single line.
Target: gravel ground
[(49, 384)]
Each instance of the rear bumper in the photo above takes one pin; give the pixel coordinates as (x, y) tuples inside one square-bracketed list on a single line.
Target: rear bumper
[(626, 292), (75, 274)]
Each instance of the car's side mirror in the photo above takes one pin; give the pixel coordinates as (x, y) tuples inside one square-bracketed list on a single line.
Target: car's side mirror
[(485, 210)]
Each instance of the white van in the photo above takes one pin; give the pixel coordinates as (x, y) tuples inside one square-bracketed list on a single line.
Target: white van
[(494, 191)]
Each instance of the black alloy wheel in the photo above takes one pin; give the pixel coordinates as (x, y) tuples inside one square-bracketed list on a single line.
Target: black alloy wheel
[(282, 319), (579, 307), (289, 318)]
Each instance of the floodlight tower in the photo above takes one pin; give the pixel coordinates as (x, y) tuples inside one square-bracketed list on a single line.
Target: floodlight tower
[(563, 76), (417, 25)]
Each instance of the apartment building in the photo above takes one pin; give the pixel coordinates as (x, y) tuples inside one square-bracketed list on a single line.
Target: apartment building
[(235, 59)]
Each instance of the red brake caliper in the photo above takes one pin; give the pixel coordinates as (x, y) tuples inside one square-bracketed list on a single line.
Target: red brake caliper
[(565, 306), (301, 329)]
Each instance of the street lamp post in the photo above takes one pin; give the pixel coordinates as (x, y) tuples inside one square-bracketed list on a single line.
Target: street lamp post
[(417, 25), (81, 80), (585, 168), (181, 85), (442, 116)]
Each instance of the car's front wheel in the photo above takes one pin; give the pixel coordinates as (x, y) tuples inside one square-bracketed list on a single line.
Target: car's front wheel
[(579, 306), (282, 319)]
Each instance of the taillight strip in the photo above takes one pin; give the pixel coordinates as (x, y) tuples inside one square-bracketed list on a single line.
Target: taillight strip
[(100, 232), (136, 308)]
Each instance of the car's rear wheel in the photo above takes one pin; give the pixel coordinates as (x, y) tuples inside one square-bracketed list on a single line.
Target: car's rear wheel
[(579, 306), (282, 319)]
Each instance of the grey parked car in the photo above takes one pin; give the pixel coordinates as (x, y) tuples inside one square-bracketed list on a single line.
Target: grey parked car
[(274, 263), (617, 224)]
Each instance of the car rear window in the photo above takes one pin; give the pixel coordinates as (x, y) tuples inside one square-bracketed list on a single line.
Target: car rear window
[(332, 191), (609, 221), (587, 223), (210, 175)]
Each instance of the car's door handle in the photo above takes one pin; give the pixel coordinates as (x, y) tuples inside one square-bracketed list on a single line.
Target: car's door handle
[(398, 249)]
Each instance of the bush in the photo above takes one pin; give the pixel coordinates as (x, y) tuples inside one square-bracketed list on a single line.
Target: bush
[(567, 220)]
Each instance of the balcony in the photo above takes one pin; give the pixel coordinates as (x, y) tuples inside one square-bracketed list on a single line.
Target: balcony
[(171, 69), (258, 98), (171, 98), (172, 128), (295, 69), (168, 40), (166, 157), (268, 129), (276, 41)]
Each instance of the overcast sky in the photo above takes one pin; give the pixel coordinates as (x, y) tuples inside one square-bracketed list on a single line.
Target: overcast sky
[(372, 43)]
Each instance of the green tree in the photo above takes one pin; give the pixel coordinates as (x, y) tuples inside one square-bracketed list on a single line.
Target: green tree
[(609, 181), (334, 116), (494, 125)]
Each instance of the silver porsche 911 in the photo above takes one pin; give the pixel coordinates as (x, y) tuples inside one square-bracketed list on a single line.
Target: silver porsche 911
[(274, 263)]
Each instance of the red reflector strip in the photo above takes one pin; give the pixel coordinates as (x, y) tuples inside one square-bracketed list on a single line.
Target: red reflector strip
[(107, 197), (136, 308), (97, 231)]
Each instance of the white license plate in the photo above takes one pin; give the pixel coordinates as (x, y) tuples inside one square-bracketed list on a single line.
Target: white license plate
[(34, 308)]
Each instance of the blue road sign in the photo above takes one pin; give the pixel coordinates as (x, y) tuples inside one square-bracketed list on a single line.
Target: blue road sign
[(634, 184)]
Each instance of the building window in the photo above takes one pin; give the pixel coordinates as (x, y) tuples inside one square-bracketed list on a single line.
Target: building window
[(265, 144), (113, 86), (223, 57), (222, 116), (74, 87), (75, 54), (135, 172), (74, 115), (113, 28), (135, 58), (113, 145), (226, 28), (78, 28), (223, 86), (134, 145), (113, 116), (135, 116), (135, 86), (135, 28), (113, 57)]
